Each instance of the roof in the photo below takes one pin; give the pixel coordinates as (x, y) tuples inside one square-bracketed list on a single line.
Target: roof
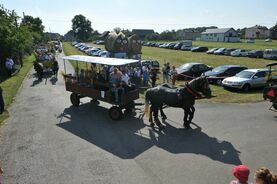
[(256, 70), (101, 60), (258, 27), (142, 31), (212, 31)]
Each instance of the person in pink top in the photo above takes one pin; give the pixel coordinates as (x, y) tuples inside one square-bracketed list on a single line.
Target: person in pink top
[(241, 172)]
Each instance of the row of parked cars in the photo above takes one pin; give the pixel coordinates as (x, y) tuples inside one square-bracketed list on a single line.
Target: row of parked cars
[(228, 76), (235, 52), (89, 50)]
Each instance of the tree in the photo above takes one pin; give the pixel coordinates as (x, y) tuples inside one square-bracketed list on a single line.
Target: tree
[(34, 24), (117, 30), (273, 31), (81, 28)]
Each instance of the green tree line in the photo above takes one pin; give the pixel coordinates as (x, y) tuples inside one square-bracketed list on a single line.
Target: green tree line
[(17, 35)]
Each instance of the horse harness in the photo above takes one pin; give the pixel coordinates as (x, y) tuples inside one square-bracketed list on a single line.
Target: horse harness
[(193, 92)]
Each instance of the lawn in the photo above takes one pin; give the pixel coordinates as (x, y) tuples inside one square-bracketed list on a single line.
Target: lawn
[(178, 58), (11, 85)]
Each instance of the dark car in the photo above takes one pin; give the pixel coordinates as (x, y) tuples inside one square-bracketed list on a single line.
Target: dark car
[(221, 72), (199, 49), (255, 54), (177, 46), (153, 64), (189, 70), (171, 45), (228, 51)]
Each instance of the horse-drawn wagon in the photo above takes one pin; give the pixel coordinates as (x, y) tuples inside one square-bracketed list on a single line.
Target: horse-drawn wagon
[(270, 91), (100, 90)]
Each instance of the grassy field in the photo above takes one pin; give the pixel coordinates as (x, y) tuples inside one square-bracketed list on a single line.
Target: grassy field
[(11, 85), (178, 58)]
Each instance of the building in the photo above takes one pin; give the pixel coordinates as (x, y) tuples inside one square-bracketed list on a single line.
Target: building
[(257, 32), (142, 32), (220, 35), (188, 34)]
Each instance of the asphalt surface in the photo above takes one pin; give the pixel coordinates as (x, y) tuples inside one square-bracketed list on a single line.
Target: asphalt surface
[(46, 140)]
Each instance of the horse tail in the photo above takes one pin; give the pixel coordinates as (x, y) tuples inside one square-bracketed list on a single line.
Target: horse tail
[(146, 104)]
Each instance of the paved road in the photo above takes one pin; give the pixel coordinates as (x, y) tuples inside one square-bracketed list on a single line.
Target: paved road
[(46, 140)]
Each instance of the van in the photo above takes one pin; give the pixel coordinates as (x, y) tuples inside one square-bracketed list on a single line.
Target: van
[(270, 54)]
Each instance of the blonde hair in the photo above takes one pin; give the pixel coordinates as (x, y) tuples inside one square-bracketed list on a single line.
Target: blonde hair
[(266, 176)]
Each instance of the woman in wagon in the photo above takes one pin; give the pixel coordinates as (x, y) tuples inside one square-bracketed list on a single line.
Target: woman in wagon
[(115, 80)]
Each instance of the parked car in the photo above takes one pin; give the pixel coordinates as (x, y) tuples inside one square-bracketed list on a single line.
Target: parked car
[(190, 70), (171, 45), (177, 46), (186, 48), (220, 51), (268, 40), (270, 54), (104, 53), (74, 43), (199, 49), (152, 63), (250, 41), (96, 53), (92, 51), (239, 52), (211, 51), (221, 72), (99, 42), (247, 79), (255, 54), (228, 51)]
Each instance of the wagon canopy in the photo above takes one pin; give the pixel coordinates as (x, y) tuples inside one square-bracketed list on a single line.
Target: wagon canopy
[(101, 60)]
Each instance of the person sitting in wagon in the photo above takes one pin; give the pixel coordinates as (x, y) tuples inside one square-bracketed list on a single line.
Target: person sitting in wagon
[(114, 80)]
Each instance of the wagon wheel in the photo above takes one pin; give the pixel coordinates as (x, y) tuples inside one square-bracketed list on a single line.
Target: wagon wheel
[(115, 113), (129, 107), (75, 100)]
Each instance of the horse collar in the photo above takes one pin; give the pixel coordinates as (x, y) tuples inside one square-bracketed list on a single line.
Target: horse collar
[(193, 92)]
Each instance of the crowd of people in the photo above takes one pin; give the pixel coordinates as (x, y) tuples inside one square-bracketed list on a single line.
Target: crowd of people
[(124, 78), (262, 175)]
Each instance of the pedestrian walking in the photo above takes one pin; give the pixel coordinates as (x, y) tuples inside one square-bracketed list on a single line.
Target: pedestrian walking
[(145, 73), (2, 105), (153, 77), (173, 75)]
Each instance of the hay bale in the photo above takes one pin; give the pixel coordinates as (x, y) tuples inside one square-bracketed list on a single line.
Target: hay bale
[(116, 42), (134, 45)]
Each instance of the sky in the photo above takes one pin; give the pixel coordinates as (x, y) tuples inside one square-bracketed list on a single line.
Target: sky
[(159, 15)]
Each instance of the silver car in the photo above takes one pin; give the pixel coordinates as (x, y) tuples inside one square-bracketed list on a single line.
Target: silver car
[(246, 79)]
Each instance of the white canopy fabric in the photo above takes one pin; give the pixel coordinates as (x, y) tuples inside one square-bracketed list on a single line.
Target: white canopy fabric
[(101, 60)]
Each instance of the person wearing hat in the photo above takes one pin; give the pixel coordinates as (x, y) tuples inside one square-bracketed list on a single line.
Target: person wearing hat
[(241, 172)]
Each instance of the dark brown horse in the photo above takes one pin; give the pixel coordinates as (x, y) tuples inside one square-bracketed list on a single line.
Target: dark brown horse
[(175, 97)]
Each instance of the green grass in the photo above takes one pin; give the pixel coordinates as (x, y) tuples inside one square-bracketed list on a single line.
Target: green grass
[(12, 84), (69, 50), (178, 58)]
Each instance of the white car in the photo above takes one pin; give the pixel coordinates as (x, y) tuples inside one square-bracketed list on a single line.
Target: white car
[(247, 79), (239, 52), (270, 54)]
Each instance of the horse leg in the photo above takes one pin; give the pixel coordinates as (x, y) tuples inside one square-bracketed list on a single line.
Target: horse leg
[(151, 117), (191, 115), (186, 113), (156, 118), (162, 113)]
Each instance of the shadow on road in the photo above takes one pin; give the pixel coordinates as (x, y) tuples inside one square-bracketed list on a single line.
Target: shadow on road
[(130, 137)]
